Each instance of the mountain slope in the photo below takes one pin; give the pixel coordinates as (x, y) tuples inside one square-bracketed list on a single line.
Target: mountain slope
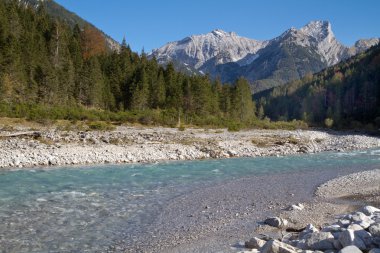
[(348, 94), (265, 64), (57, 11)]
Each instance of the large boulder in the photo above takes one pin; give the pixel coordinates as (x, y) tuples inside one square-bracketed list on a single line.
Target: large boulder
[(350, 249), (320, 241), (276, 222), (255, 243), (275, 246)]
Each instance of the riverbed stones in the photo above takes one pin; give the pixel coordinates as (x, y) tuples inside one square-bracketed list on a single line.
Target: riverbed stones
[(255, 243), (369, 210), (320, 241), (332, 228), (350, 249), (355, 227), (275, 246), (157, 144), (348, 238), (276, 222), (375, 229), (309, 229)]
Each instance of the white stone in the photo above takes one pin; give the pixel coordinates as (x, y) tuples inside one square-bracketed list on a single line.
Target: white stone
[(275, 246), (355, 227), (350, 249), (369, 210), (298, 207)]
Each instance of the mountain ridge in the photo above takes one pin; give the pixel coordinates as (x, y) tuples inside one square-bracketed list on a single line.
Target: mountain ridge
[(229, 56)]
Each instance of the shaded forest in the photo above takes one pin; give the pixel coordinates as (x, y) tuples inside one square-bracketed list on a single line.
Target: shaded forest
[(346, 95)]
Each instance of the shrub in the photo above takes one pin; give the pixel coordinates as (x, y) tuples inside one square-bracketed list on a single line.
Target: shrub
[(234, 127), (329, 122), (100, 126)]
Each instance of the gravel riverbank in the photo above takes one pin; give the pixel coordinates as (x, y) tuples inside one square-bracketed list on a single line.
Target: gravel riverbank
[(147, 145), (219, 218)]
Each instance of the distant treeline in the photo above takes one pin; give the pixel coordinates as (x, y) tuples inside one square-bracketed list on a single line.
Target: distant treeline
[(346, 95)]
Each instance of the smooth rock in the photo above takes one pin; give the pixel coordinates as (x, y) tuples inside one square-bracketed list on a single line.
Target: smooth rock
[(337, 245), (320, 241), (255, 243), (369, 210), (358, 217), (276, 222), (375, 229), (365, 223), (376, 241), (364, 236), (275, 246), (348, 238), (350, 249), (355, 227), (374, 250)]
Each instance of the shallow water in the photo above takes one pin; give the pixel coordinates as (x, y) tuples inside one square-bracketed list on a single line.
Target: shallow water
[(87, 209)]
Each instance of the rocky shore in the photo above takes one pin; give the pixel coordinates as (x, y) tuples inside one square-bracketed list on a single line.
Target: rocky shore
[(51, 147), (333, 230)]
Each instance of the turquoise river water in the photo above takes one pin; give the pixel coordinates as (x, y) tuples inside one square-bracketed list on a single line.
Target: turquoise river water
[(86, 209)]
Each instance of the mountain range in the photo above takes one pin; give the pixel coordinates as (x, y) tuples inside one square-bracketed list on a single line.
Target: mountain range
[(266, 64), (228, 56)]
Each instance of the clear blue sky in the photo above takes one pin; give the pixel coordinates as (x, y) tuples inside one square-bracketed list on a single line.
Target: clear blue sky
[(152, 23)]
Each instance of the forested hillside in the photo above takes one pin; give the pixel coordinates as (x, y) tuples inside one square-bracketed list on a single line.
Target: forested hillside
[(345, 95), (57, 11), (50, 70)]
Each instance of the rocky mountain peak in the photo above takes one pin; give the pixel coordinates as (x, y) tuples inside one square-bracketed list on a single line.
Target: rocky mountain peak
[(319, 30), (286, 57), (219, 33)]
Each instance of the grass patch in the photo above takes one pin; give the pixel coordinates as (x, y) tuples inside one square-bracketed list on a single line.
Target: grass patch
[(270, 141)]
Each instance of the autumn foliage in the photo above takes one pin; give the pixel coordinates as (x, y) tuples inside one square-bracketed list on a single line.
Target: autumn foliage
[(93, 42)]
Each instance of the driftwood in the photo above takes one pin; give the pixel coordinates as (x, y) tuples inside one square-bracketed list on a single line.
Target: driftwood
[(22, 134)]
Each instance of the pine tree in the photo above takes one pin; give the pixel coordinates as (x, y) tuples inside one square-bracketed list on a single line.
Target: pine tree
[(242, 104)]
